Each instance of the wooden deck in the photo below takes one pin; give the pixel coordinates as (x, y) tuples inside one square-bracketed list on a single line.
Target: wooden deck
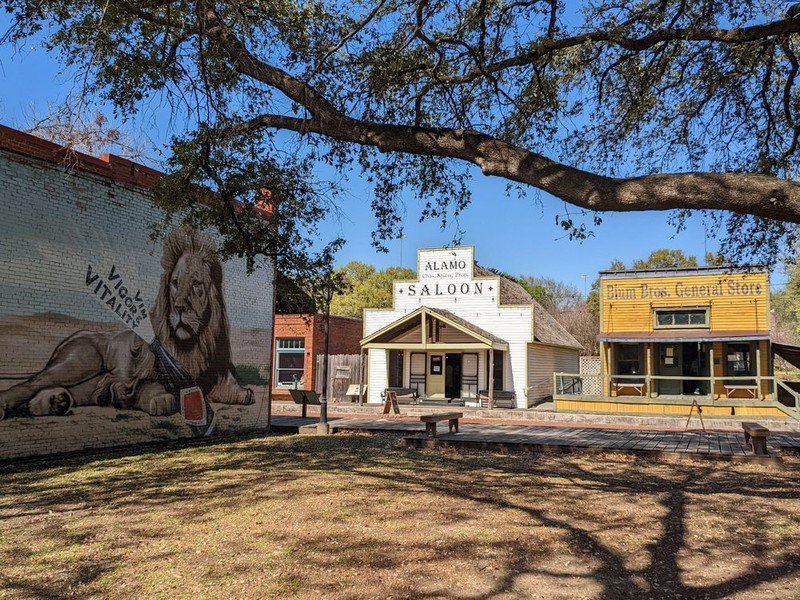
[(711, 444)]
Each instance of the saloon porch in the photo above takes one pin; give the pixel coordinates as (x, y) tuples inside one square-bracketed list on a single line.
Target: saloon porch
[(435, 357)]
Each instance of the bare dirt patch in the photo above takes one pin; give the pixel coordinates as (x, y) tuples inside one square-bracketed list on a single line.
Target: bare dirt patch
[(357, 517)]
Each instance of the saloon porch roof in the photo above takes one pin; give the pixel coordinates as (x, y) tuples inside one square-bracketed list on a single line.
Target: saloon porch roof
[(390, 335)]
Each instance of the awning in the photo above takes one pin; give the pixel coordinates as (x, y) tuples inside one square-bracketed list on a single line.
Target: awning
[(790, 354), (684, 335)]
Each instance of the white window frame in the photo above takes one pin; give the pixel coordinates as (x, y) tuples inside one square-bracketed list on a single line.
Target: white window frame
[(289, 346), (688, 310)]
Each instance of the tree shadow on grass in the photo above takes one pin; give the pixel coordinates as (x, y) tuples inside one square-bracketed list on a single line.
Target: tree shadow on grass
[(557, 495)]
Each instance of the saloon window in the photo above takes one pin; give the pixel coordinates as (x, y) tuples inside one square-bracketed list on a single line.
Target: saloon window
[(497, 374), (395, 368), (680, 318)]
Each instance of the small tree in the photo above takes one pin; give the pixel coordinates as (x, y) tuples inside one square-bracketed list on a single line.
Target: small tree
[(91, 133), (566, 303)]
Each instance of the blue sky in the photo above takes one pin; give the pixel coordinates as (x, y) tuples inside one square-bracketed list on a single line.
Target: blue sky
[(519, 237)]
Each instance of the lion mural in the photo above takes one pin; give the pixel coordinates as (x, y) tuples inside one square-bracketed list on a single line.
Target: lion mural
[(118, 369)]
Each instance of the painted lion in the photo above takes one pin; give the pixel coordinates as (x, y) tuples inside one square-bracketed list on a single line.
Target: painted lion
[(118, 369)]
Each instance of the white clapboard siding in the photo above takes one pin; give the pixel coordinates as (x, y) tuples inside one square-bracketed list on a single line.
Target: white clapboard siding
[(378, 375), (543, 361)]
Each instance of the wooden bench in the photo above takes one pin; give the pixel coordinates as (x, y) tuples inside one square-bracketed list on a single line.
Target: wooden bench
[(758, 434), (502, 399), (752, 389), (404, 395), (431, 420), (636, 386)]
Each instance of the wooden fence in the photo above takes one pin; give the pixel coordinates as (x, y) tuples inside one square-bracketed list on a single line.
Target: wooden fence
[(344, 370)]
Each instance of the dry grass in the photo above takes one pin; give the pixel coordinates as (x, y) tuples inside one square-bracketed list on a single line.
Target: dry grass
[(362, 517)]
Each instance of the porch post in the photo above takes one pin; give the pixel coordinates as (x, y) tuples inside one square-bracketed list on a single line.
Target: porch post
[(711, 368), (647, 357), (603, 369), (362, 362), (758, 368), (491, 378)]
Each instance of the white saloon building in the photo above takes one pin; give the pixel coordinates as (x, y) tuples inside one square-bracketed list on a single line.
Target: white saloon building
[(464, 334)]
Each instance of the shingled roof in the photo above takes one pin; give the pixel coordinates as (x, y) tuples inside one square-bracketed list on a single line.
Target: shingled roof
[(545, 327)]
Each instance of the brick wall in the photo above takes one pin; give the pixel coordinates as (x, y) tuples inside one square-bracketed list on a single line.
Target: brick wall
[(75, 247), (346, 334), (345, 337)]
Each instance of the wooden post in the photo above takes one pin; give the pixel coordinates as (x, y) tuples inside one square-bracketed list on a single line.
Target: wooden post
[(711, 367), (758, 368), (361, 366), (491, 378), (648, 354), (603, 370)]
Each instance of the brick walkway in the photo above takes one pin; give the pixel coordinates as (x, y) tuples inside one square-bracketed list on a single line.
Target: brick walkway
[(727, 444)]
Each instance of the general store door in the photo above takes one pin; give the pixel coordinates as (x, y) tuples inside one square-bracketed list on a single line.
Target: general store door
[(670, 364)]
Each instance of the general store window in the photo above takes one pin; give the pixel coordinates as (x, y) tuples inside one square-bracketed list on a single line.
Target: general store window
[(629, 359), (686, 318), (289, 362), (739, 362)]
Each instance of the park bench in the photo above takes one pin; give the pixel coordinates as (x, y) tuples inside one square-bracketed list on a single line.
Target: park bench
[(404, 395), (758, 434), (431, 420), (502, 399), (751, 389)]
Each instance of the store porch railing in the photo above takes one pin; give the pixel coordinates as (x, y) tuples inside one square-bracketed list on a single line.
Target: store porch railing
[(575, 385)]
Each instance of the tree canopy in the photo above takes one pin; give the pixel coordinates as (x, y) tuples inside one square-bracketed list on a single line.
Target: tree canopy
[(664, 258), (785, 305), (366, 287), (609, 106)]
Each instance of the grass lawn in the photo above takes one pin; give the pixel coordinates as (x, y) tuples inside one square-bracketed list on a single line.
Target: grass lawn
[(363, 517)]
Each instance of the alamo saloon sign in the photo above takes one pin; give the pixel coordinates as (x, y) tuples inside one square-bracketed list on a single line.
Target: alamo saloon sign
[(446, 274)]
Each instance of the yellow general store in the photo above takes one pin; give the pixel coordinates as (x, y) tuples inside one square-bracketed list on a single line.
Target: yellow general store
[(671, 339)]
